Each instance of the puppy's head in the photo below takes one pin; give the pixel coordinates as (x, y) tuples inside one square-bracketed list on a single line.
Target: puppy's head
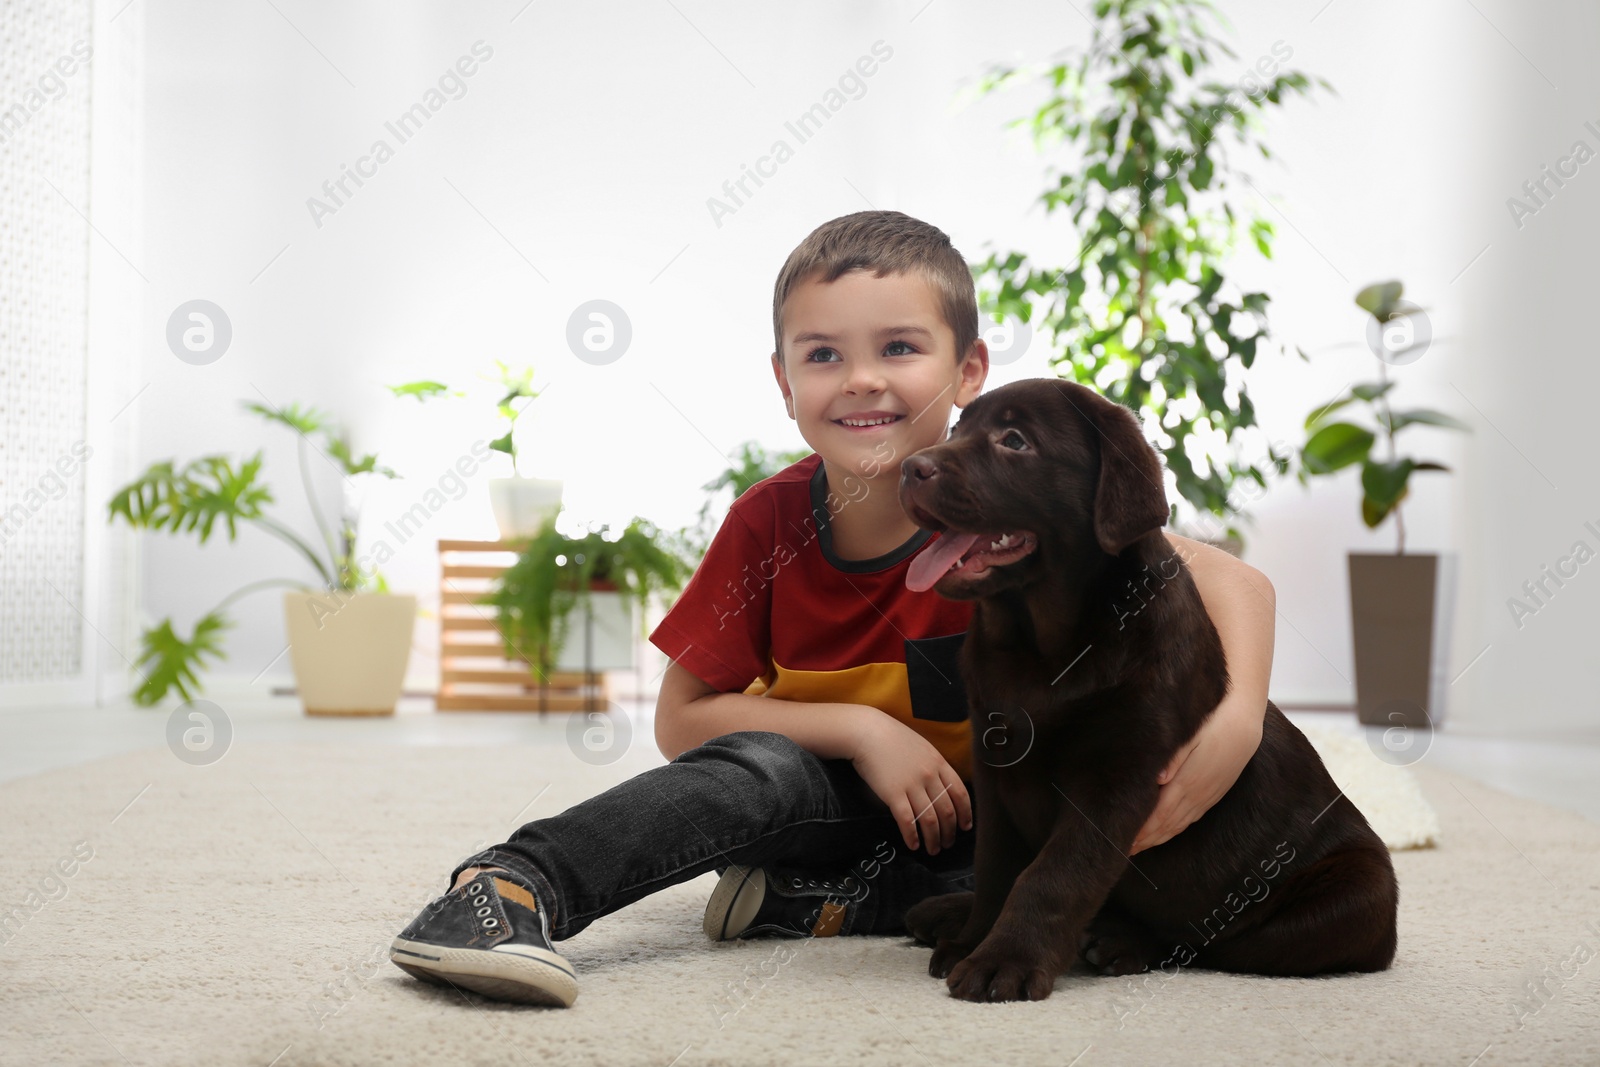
[(1036, 475)]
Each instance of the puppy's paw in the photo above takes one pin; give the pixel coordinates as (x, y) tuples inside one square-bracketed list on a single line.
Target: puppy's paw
[(1114, 946), (947, 954), (939, 918), (995, 975)]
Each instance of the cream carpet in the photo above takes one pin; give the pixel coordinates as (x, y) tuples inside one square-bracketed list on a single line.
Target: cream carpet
[(240, 912)]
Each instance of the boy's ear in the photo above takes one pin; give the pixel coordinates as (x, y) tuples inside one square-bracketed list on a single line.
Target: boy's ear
[(1130, 499), (973, 386), (777, 372)]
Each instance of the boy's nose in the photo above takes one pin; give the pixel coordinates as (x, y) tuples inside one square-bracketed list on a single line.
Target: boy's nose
[(865, 378)]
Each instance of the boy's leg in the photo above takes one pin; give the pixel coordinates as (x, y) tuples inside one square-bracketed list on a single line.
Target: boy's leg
[(754, 798)]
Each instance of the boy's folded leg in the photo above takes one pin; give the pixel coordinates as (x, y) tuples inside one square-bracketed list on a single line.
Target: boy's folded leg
[(491, 936)]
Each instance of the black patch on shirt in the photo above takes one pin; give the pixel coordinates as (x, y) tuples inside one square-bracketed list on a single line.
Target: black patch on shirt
[(933, 672)]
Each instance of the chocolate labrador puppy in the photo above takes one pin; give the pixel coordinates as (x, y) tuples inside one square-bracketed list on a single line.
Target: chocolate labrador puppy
[(1089, 662)]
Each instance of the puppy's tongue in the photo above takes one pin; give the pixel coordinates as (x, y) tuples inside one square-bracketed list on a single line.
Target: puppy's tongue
[(931, 565)]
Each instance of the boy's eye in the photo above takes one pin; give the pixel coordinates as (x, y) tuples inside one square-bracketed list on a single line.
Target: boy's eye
[(811, 356)]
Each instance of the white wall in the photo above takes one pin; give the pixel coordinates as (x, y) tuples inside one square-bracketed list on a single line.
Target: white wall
[(1531, 314), (578, 166)]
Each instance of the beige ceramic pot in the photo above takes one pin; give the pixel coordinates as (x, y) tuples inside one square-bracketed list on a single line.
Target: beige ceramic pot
[(349, 650)]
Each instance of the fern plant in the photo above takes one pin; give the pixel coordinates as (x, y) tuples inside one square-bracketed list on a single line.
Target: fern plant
[(1143, 313), (553, 573), (194, 497)]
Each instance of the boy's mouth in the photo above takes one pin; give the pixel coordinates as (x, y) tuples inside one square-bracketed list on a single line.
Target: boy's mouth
[(868, 424)]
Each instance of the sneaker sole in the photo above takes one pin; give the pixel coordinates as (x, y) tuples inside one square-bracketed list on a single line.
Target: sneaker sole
[(734, 903), (527, 975)]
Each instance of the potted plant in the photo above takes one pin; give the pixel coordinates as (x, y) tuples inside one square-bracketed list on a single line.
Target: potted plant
[(522, 506), (606, 576), (349, 639), (1144, 312), (1392, 595)]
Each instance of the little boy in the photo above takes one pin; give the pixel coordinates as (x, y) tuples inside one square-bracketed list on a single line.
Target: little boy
[(813, 711)]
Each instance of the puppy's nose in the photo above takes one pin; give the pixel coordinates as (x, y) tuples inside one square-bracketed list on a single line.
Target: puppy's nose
[(918, 469)]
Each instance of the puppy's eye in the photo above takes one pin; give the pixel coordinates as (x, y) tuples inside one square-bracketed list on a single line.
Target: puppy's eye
[(1014, 440)]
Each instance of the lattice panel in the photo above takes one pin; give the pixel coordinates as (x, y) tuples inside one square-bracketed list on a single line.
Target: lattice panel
[(44, 182)]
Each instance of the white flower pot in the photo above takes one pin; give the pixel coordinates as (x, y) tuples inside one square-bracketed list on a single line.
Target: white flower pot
[(349, 650), (612, 637), (523, 505)]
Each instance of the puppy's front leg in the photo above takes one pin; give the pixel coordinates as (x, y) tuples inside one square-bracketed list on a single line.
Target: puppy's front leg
[(1000, 856), (1038, 932)]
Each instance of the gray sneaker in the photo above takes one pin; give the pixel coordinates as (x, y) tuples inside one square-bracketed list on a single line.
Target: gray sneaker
[(490, 936), (781, 902)]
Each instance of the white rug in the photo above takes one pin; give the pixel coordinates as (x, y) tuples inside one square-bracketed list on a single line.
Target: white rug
[(239, 913), (1387, 794)]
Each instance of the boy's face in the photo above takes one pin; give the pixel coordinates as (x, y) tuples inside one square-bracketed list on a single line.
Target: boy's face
[(867, 346)]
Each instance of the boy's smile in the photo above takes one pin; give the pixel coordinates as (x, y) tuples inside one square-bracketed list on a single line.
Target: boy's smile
[(870, 372)]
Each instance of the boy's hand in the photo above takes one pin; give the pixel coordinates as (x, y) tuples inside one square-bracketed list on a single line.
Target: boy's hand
[(919, 785), (1203, 770)]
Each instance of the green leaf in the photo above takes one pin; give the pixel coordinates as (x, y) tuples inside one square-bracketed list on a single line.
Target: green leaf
[(1385, 485), (502, 444), (172, 661), (1370, 391), (307, 420), (421, 390), (1327, 409), (1379, 299), (1261, 233), (340, 450), (516, 382), (207, 489), (1427, 417), (1336, 446)]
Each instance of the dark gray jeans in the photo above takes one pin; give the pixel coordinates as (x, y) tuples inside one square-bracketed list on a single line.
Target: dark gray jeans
[(754, 797)]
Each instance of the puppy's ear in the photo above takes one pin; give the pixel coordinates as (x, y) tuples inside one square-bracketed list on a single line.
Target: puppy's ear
[(1130, 499)]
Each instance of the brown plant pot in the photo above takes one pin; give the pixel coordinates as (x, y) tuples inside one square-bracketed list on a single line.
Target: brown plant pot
[(1393, 619)]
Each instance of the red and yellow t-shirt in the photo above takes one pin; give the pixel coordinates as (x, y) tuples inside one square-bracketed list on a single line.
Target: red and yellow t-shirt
[(771, 610)]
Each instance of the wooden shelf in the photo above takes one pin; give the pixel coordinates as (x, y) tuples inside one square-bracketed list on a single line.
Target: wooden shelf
[(474, 673)]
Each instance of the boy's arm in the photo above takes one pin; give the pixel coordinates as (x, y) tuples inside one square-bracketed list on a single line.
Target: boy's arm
[(1243, 607), (690, 712)]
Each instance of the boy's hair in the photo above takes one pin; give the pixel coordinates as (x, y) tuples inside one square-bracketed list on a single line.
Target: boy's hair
[(884, 242)]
